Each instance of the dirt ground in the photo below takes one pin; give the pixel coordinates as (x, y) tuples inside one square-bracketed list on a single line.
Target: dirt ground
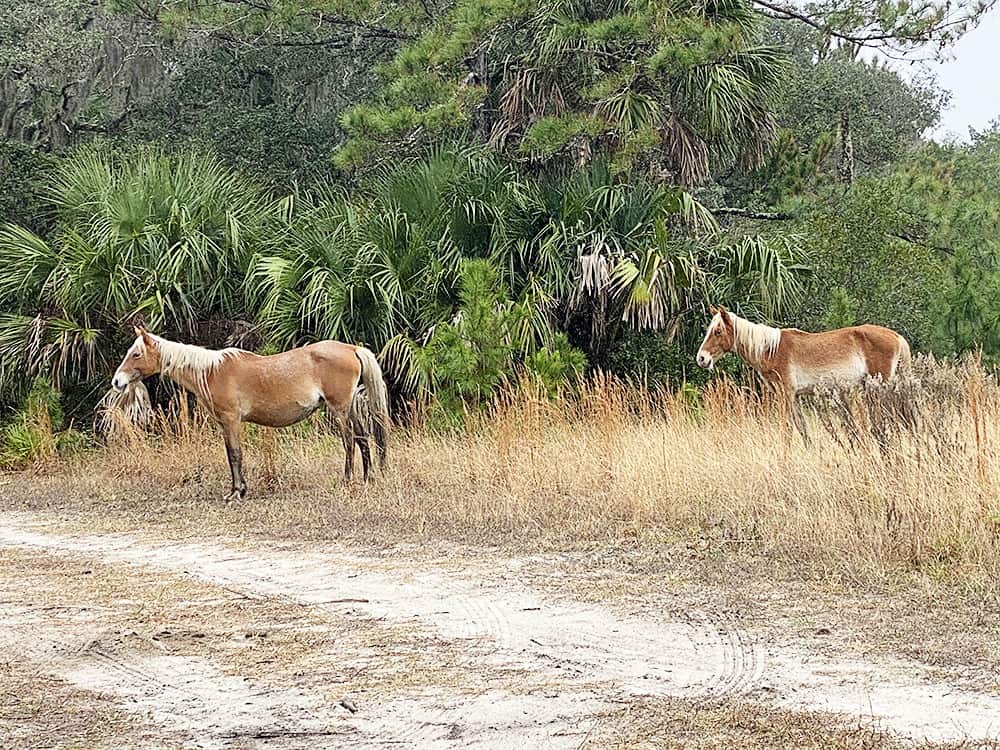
[(127, 635)]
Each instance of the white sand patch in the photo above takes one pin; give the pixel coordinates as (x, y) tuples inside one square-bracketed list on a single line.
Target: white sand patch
[(592, 653)]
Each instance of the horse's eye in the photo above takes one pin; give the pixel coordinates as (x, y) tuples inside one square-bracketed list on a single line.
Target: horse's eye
[(136, 355), (718, 331)]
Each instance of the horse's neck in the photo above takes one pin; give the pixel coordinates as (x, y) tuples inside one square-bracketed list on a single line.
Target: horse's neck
[(190, 366), (190, 380), (755, 343)]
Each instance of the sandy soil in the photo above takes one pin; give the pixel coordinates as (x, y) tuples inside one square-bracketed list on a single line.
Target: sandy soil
[(213, 644)]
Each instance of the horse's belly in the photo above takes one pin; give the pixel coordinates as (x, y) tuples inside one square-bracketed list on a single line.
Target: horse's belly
[(283, 414), (850, 372)]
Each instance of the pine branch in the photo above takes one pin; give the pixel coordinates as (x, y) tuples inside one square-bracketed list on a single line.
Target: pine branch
[(747, 213), (785, 12), (914, 239)]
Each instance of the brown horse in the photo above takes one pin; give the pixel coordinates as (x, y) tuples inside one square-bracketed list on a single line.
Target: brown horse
[(237, 386), (796, 362)]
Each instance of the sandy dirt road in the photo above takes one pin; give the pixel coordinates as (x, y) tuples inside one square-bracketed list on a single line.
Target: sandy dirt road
[(476, 660)]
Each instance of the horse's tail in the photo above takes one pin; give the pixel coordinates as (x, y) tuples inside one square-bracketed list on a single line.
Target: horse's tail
[(378, 401)]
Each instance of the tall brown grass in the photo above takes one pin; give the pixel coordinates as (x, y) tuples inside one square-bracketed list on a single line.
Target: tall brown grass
[(895, 478)]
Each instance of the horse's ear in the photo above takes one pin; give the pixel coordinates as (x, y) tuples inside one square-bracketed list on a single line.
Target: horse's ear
[(712, 310), (724, 314), (139, 331)]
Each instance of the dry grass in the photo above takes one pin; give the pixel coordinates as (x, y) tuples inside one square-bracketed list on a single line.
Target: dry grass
[(869, 497), (40, 711), (667, 723)]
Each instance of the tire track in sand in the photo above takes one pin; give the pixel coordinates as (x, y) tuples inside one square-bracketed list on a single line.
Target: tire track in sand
[(582, 646)]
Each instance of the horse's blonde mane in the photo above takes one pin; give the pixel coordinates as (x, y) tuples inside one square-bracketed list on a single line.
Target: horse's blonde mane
[(178, 359), (754, 340)]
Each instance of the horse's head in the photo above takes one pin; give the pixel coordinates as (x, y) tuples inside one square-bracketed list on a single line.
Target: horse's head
[(719, 339), (141, 361)]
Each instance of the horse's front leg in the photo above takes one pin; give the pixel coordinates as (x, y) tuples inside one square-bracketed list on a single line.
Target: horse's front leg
[(232, 430)]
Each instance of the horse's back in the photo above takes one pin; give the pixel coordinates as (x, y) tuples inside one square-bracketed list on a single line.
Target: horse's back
[(326, 369), (875, 335), (323, 354)]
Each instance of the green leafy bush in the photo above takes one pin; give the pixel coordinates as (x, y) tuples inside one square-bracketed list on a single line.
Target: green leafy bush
[(469, 359), (23, 175), (867, 269), (36, 431), (556, 365), (649, 357)]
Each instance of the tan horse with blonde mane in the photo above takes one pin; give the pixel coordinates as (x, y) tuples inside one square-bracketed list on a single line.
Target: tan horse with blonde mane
[(238, 386), (796, 362)]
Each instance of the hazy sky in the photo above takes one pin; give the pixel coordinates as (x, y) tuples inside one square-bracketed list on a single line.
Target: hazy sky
[(971, 76)]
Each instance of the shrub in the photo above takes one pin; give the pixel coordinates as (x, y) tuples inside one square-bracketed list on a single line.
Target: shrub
[(470, 356), (649, 357), (468, 359), (23, 172), (556, 365), (36, 431)]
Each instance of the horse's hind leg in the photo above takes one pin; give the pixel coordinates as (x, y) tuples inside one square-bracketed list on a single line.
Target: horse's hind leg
[(347, 433), (231, 430), (361, 439), (360, 419)]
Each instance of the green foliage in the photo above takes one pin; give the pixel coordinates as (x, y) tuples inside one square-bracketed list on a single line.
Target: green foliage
[(260, 112), (650, 358), (556, 365), (601, 252), (864, 266), (368, 268), (468, 358), (265, 143), (562, 81), (23, 175), (36, 431), (792, 169), (841, 310), (887, 114), (550, 135), (951, 196), (137, 235), (43, 399)]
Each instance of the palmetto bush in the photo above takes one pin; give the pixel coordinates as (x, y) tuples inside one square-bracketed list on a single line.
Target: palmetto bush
[(384, 268), (178, 240), (142, 235)]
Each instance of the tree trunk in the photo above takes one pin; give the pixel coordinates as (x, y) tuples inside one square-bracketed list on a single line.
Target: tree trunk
[(479, 75), (845, 170)]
